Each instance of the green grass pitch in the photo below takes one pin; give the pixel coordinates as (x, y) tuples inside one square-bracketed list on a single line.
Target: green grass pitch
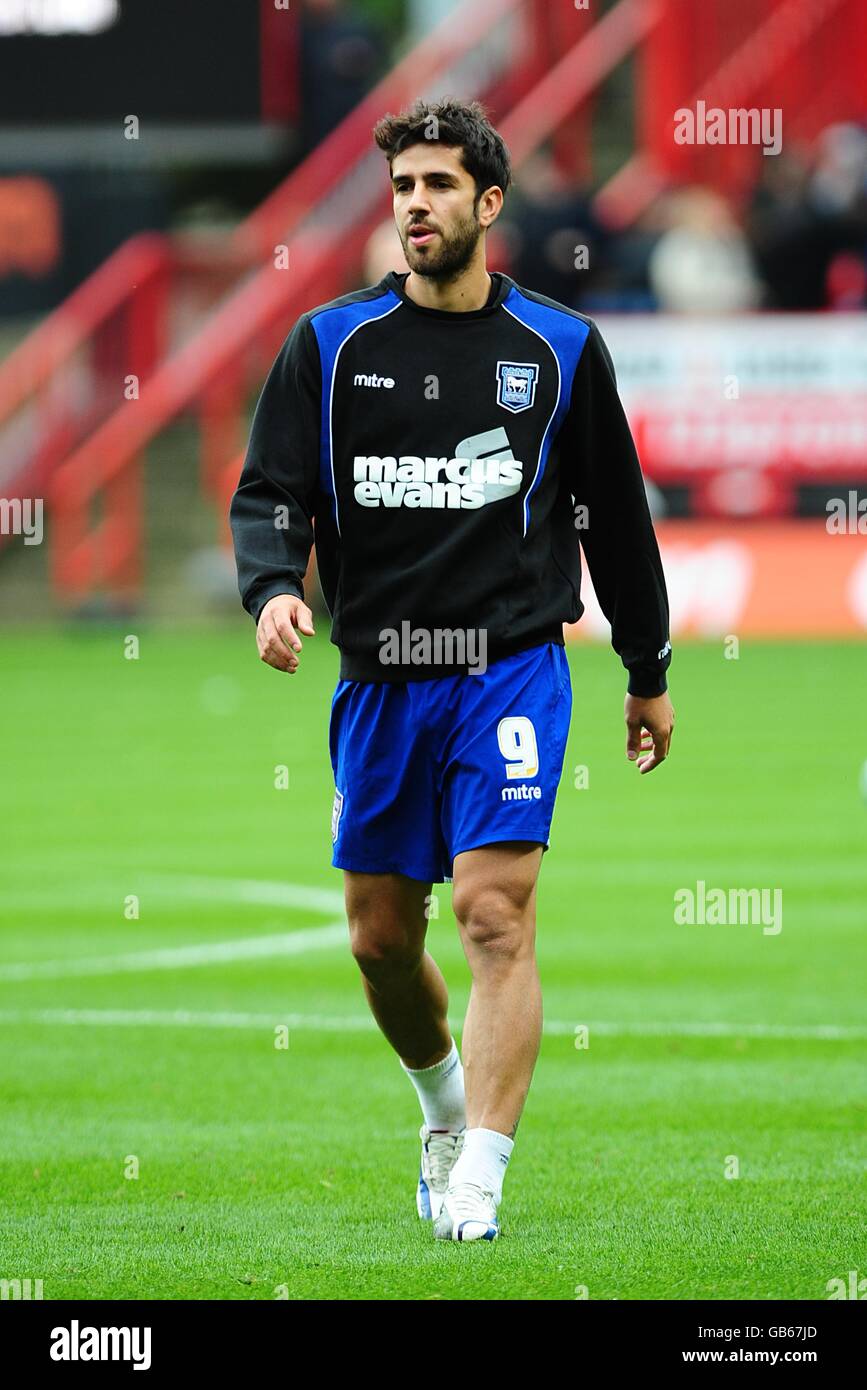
[(267, 1171)]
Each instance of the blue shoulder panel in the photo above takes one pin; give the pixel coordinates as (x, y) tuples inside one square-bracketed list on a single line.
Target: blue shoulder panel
[(565, 336), (333, 329)]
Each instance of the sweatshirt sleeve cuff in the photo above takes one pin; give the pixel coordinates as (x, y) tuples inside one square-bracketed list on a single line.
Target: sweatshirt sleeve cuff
[(258, 600), (647, 684)]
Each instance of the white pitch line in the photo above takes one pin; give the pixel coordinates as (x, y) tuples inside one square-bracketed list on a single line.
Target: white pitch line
[(358, 1023), (247, 890), (831, 1032), (184, 1018), (183, 957), (91, 892)]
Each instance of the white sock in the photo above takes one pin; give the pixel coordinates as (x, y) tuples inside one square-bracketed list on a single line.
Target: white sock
[(483, 1160), (440, 1089)]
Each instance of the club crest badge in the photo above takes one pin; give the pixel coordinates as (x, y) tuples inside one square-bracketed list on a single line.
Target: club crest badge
[(516, 385)]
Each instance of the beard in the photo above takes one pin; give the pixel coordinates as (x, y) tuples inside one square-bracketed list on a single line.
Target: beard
[(453, 256)]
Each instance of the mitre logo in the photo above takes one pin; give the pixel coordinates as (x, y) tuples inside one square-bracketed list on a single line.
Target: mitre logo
[(481, 470)]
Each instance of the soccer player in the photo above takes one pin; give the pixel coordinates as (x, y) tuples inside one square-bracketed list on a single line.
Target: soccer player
[(447, 437)]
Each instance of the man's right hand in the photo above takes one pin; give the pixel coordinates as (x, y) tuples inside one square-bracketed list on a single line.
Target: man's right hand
[(280, 621)]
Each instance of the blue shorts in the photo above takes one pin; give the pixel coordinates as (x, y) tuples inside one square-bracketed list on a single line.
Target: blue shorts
[(424, 770)]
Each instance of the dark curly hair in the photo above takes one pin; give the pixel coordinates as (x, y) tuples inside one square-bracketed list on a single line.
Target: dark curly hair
[(462, 124)]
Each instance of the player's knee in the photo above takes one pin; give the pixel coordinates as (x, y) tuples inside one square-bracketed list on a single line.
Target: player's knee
[(493, 921), (381, 947)]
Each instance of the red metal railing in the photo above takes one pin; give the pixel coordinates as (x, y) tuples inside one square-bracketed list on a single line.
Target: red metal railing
[(105, 340), (569, 83)]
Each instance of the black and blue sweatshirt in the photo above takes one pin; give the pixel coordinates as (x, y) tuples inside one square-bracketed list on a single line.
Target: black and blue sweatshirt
[(446, 466)]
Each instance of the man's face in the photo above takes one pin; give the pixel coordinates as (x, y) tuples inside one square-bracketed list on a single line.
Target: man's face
[(435, 209)]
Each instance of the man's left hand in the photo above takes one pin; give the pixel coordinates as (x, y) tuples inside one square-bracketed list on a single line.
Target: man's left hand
[(649, 726)]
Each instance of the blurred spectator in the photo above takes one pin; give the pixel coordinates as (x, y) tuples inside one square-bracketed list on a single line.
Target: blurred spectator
[(555, 244), (808, 226), (627, 283), (702, 264), (786, 237), (342, 55), (839, 183)]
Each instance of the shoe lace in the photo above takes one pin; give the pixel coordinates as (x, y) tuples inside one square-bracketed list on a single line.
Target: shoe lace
[(466, 1198), (442, 1151)]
